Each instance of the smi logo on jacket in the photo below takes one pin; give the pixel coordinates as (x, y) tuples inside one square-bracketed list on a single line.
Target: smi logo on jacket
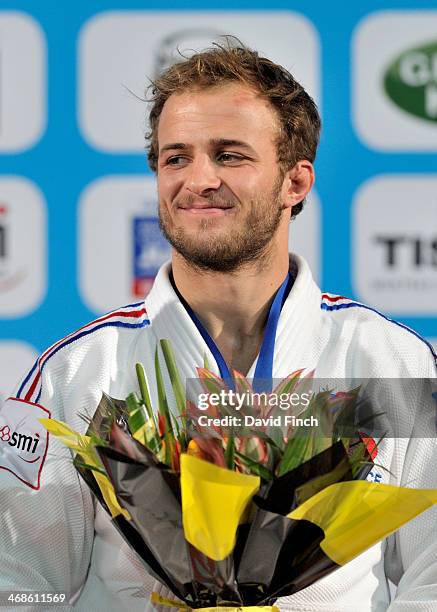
[(23, 440)]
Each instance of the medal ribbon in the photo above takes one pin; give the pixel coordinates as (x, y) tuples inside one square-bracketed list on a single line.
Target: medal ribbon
[(264, 367)]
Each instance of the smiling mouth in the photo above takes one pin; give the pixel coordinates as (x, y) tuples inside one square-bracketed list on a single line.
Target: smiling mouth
[(204, 208), (201, 209)]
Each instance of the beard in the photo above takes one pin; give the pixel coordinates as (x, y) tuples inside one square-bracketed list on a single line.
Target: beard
[(247, 241)]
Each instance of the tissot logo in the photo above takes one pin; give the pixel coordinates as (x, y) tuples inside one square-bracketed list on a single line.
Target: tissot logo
[(413, 251), (395, 244), (411, 81)]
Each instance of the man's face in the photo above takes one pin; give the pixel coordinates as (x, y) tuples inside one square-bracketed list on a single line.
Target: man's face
[(219, 183)]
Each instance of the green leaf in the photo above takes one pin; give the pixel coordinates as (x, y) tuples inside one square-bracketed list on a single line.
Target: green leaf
[(178, 389), (297, 451), (210, 381), (255, 467), (164, 410), (269, 438), (275, 437), (81, 464), (173, 372), (136, 417), (356, 458), (144, 390), (242, 385), (230, 453)]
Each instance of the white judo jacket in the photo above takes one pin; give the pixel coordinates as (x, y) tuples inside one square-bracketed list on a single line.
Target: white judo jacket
[(55, 537)]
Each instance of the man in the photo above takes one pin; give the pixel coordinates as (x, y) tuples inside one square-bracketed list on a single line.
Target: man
[(233, 138)]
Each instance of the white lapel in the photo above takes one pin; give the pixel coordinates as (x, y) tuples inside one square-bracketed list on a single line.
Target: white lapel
[(298, 325), (170, 320)]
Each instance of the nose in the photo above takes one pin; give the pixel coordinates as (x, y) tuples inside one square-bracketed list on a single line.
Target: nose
[(202, 175)]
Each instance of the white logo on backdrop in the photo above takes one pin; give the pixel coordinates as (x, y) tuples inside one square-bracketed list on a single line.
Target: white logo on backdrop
[(121, 247), (118, 51), (395, 244), (22, 81), (16, 358), (394, 71), (22, 247)]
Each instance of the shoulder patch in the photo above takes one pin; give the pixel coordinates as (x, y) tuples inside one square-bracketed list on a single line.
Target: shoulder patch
[(23, 440)]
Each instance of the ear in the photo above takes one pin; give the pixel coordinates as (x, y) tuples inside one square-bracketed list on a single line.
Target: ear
[(298, 182)]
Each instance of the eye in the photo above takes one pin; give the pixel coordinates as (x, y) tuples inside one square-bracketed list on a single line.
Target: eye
[(175, 160), (229, 157)]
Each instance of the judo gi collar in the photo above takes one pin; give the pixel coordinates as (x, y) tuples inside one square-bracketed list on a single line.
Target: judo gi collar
[(300, 311), (264, 367)]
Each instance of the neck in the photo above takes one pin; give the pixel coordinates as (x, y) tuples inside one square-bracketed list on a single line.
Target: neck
[(233, 307)]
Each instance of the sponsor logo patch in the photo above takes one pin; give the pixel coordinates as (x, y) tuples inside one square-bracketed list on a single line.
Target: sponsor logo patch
[(23, 440)]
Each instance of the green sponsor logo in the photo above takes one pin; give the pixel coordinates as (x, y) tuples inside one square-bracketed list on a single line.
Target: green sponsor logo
[(411, 81)]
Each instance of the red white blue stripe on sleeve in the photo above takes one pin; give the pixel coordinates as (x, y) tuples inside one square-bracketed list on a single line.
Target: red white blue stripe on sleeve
[(132, 316), (332, 303)]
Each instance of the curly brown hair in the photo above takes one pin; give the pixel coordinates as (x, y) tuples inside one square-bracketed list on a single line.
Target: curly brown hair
[(299, 119)]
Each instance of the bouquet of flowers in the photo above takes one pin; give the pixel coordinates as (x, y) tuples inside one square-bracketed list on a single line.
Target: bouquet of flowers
[(227, 514)]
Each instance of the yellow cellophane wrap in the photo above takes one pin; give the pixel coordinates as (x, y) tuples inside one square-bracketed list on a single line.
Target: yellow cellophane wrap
[(214, 501), (84, 447), (173, 603), (355, 515)]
